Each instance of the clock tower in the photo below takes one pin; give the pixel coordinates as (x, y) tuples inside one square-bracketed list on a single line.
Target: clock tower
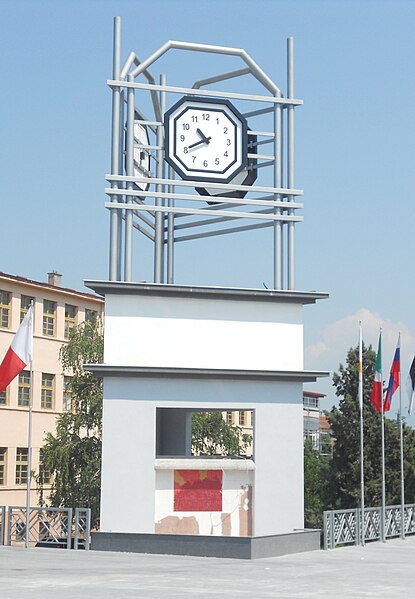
[(207, 164)]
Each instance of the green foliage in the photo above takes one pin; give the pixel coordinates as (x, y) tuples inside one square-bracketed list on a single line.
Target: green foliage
[(316, 468), (344, 479), (211, 435), (73, 453)]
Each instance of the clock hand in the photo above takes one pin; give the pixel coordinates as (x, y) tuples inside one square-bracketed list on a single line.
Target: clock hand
[(203, 136), (206, 140)]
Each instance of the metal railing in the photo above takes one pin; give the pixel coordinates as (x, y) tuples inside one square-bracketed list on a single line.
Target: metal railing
[(82, 528), (2, 523), (48, 527), (343, 527)]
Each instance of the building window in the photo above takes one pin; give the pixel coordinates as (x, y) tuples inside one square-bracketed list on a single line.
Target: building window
[(4, 309), (91, 315), (44, 473), (47, 391), (242, 418), (67, 394), (70, 319), (25, 302), (22, 456), (313, 436), (49, 318), (23, 394), (311, 402), (3, 457), (3, 398), (229, 418)]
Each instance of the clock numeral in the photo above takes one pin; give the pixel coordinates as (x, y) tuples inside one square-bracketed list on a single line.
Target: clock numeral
[(186, 126), (217, 121), (205, 163), (186, 150), (194, 159), (228, 142), (194, 119), (216, 160), (182, 138), (225, 130), (206, 116), (226, 154)]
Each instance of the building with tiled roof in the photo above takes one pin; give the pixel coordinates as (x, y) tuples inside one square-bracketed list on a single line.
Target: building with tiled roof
[(57, 310)]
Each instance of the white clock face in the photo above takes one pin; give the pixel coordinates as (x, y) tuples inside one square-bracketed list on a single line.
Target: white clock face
[(141, 155), (205, 140)]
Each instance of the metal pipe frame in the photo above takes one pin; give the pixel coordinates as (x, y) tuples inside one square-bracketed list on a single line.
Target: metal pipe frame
[(130, 184), (115, 151), (259, 112), (143, 231), (283, 191), (217, 199), (278, 182), (217, 78), (214, 221), (290, 162), (189, 91), (146, 220), (120, 170), (275, 208), (170, 232), (159, 242), (133, 59), (222, 232), (193, 211), (255, 70), (223, 206)]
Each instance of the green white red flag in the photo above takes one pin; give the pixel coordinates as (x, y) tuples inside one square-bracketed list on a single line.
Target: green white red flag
[(376, 396)]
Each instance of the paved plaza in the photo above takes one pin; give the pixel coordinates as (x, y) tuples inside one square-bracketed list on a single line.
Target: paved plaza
[(377, 570)]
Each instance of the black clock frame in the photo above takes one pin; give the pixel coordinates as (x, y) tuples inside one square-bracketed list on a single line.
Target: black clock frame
[(170, 151)]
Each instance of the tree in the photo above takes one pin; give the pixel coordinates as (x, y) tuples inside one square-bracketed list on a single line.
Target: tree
[(73, 454), (344, 480), (211, 435), (316, 468)]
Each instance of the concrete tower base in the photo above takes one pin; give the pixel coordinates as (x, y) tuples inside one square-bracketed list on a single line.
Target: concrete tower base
[(208, 546)]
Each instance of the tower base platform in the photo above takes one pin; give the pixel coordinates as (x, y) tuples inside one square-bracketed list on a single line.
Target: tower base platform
[(208, 546)]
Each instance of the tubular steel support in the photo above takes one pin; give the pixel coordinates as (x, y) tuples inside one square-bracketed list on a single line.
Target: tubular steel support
[(115, 151), (278, 234), (120, 170), (290, 160), (159, 244), (143, 199), (130, 185), (170, 234)]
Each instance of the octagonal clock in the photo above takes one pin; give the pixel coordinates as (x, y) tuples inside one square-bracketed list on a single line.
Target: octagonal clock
[(141, 155), (206, 139)]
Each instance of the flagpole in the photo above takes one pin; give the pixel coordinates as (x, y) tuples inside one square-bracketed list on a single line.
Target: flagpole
[(29, 448), (383, 518), (29, 458), (19, 355), (401, 444), (362, 475)]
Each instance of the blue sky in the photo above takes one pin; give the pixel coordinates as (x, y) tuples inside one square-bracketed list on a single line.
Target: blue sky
[(354, 141)]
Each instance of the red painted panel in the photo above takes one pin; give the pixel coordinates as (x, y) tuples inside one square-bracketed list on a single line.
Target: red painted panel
[(198, 490)]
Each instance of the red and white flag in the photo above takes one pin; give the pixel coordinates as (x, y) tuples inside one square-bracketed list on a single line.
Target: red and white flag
[(19, 353)]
